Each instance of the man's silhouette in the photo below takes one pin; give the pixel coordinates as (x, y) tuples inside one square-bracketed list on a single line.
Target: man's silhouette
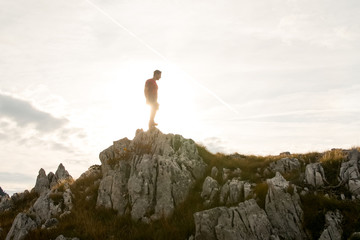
[(151, 89)]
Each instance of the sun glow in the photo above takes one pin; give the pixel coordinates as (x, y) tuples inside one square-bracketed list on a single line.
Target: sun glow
[(125, 97)]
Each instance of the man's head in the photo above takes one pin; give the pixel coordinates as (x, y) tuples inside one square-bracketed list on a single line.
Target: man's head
[(157, 74)]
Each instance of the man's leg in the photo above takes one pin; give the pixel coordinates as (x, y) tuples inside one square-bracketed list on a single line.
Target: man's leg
[(154, 108)]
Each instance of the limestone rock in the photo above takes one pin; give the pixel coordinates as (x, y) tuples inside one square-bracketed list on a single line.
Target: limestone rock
[(42, 182), (355, 236), (45, 208), (50, 223), (61, 237), (232, 192), (93, 171), (285, 165), (21, 226), (214, 172), (349, 173), (246, 221), (210, 191), (333, 229), (150, 175), (315, 175), (6, 203), (283, 209), (67, 196), (225, 174)]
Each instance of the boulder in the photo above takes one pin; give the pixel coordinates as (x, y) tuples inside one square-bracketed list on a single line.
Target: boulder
[(21, 226), (355, 236), (214, 172), (246, 221), (283, 209), (61, 237), (315, 175), (45, 208), (6, 203), (333, 229), (50, 223), (232, 192), (210, 191), (349, 173), (285, 165), (150, 175)]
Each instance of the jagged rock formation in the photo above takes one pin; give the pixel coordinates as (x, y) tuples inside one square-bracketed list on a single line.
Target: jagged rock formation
[(5, 203), (51, 203), (21, 227), (315, 175), (285, 165), (210, 191), (234, 191), (246, 221), (150, 175), (46, 183), (349, 173), (333, 229), (283, 208)]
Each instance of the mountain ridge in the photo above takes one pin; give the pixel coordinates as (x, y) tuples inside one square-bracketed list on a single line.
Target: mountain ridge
[(159, 184)]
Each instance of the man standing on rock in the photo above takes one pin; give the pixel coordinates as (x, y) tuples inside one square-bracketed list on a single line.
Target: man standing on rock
[(151, 89)]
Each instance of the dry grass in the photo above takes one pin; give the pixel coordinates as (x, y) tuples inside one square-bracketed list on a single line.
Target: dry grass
[(251, 166), (316, 206), (7, 218)]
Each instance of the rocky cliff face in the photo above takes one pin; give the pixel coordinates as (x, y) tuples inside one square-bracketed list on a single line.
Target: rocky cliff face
[(150, 175), (147, 179)]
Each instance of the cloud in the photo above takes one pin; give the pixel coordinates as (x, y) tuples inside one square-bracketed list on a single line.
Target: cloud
[(24, 114), (15, 177)]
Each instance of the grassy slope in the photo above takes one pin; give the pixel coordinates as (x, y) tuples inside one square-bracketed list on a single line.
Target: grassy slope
[(88, 222)]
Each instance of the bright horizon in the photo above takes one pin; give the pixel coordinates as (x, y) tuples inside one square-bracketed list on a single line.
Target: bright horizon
[(260, 77)]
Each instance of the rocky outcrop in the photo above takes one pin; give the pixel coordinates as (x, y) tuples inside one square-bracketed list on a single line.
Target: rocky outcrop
[(349, 173), (234, 191), (150, 175), (285, 165), (246, 221), (51, 203), (333, 229), (61, 237), (45, 183), (21, 227), (210, 191), (315, 175), (282, 205), (45, 208), (6, 203), (42, 182)]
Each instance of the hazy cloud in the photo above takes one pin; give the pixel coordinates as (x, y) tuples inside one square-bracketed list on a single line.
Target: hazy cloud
[(23, 113)]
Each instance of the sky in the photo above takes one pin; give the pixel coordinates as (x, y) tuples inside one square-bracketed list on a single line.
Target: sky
[(254, 77)]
